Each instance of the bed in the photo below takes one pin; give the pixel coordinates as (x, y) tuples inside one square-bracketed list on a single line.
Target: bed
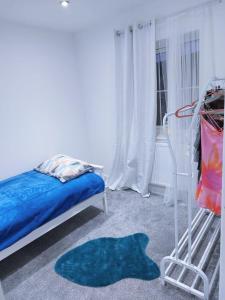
[(31, 204)]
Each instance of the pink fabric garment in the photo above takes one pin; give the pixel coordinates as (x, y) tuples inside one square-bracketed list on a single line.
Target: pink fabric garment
[(209, 189)]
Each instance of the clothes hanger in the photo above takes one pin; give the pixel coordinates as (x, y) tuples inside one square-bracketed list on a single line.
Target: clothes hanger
[(214, 95), (184, 109), (192, 106), (213, 122), (214, 116), (217, 91)]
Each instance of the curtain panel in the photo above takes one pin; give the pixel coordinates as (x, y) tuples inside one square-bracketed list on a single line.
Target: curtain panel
[(135, 108), (190, 65)]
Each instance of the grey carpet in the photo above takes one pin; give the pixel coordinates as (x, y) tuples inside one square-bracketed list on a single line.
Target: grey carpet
[(29, 274)]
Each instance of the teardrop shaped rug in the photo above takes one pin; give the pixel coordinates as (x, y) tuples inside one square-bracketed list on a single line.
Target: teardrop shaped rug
[(104, 261)]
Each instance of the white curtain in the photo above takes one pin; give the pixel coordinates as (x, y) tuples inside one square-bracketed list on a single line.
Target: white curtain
[(189, 67), (136, 108)]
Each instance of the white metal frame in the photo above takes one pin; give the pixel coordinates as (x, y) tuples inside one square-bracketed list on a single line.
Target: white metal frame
[(92, 201), (187, 247)]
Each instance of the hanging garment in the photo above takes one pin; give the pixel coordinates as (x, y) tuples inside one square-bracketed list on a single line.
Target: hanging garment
[(217, 102), (209, 189), (197, 151)]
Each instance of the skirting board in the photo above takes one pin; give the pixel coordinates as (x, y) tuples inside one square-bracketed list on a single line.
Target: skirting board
[(157, 189)]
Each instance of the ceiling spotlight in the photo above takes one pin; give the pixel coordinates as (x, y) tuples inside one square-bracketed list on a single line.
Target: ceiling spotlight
[(65, 3)]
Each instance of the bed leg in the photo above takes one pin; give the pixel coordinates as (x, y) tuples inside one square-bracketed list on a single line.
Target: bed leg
[(105, 204), (1, 292)]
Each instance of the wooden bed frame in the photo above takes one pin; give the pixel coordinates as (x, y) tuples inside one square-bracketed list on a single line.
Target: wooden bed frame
[(40, 231)]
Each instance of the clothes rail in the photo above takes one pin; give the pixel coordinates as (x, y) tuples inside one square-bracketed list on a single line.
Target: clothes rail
[(186, 249)]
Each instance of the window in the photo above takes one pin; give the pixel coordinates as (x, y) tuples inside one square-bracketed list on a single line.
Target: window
[(162, 85), (190, 65), (189, 73), (161, 73)]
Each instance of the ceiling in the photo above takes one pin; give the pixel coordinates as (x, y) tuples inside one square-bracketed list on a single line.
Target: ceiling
[(79, 15)]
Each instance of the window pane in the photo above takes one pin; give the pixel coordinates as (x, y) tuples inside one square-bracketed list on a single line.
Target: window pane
[(158, 119), (161, 73), (190, 60), (161, 106)]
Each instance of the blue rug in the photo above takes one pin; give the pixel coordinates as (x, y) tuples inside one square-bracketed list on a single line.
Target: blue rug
[(104, 261)]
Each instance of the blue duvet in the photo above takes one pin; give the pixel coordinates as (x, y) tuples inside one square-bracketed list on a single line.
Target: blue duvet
[(29, 200)]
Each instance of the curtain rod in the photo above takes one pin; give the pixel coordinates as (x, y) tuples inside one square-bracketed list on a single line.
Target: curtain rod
[(140, 25), (188, 9)]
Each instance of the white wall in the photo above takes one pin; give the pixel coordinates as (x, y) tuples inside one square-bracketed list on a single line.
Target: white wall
[(219, 39), (40, 113), (95, 52)]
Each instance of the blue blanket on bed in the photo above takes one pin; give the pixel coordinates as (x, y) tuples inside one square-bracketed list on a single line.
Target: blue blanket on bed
[(29, 200)]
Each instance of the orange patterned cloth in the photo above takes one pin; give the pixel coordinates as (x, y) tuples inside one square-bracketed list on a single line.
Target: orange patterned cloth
[(209, 189)]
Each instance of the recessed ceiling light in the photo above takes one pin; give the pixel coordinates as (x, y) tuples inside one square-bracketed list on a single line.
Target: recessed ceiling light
[(65, 3)]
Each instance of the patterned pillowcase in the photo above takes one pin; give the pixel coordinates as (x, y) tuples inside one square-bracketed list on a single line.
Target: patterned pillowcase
[(48, 167), (67, 172), (64, 167)]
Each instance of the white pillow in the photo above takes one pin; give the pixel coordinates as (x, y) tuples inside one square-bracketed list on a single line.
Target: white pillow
[(67, 172), (64, 167), (48, 166)]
